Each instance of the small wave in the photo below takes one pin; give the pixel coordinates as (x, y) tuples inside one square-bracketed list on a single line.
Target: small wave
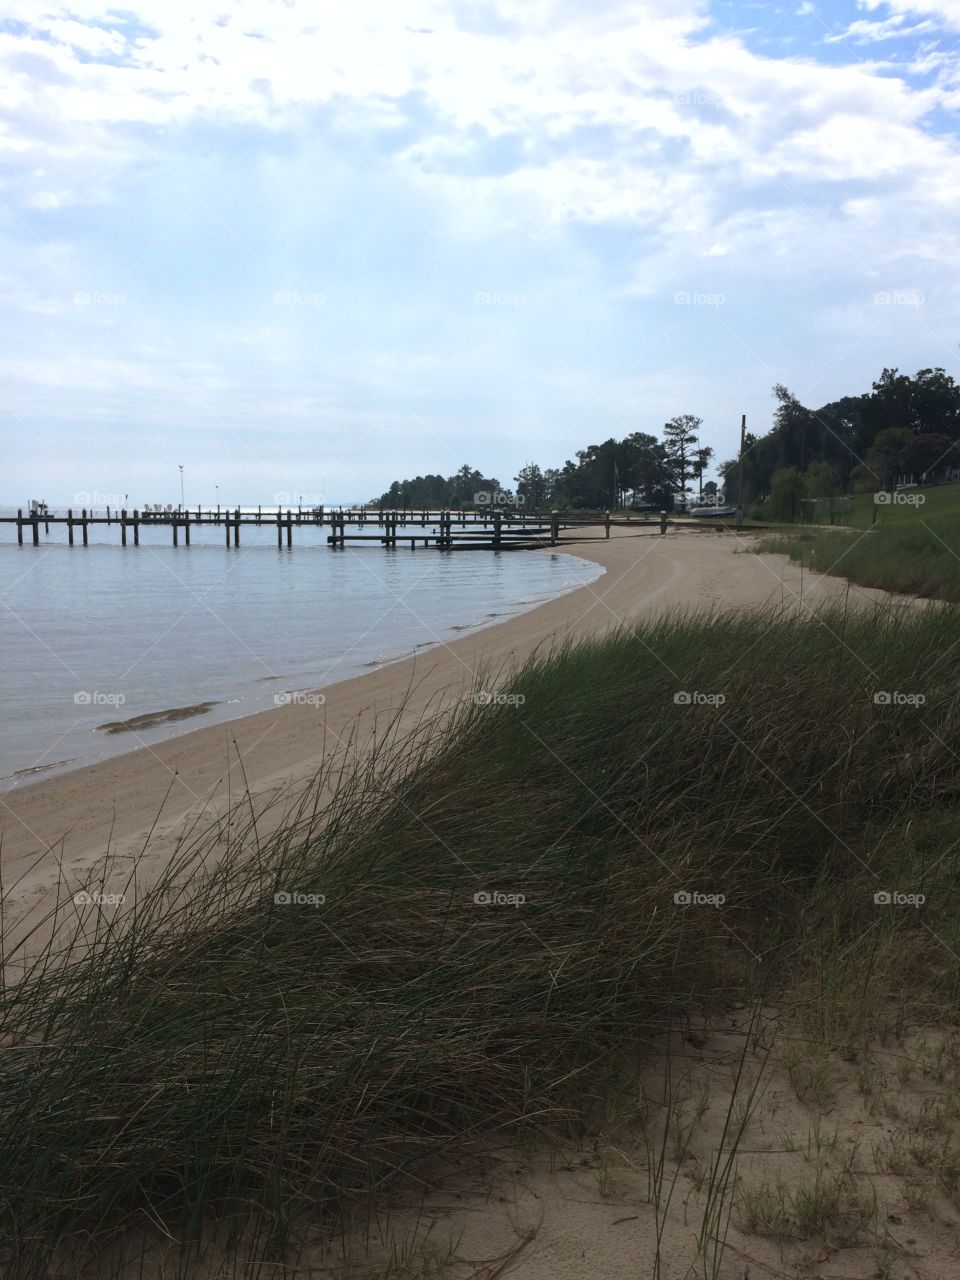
[(36, 768), (388, 658)]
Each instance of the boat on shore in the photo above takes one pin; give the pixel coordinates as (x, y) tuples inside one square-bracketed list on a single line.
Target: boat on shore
[(714, 513)]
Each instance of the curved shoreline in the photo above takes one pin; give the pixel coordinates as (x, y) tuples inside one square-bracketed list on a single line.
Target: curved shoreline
[(306, 666), (153, 792)]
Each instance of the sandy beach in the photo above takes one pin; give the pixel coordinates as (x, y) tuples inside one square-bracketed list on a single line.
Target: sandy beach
[(155, 792), (495, 1209)]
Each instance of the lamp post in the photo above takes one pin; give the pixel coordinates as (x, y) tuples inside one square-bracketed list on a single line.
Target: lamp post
[(181, 485)]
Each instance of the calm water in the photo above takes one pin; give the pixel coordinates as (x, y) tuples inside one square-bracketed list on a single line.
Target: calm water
[(100, 635)]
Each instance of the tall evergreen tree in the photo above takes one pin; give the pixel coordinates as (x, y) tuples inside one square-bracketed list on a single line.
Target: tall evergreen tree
[(681, 439)]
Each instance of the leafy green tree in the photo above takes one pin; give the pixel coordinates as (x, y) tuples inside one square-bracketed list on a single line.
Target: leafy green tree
[(926, 452), (819, 480), (652, 477), (883, 458), (532, 487), (936, 402), (786, 492), (757, 471)]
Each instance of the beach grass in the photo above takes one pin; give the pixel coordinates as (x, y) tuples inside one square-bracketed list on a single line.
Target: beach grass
[(909, 557), (477, 928)]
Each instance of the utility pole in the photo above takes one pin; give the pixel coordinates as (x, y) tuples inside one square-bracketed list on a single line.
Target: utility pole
[(743, 437)]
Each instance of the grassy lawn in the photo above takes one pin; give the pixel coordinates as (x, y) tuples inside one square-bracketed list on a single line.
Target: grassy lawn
[(911, 549), (941, 503)]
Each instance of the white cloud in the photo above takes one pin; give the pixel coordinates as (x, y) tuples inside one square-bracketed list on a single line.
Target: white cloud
[(946, 12), (893, 28), (598, 157), (651, 79)]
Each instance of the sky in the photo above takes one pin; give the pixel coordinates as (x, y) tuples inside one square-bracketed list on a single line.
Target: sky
[(305, 249)]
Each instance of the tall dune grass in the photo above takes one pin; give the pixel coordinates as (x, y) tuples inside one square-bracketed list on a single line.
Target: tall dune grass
[(212, 1055)]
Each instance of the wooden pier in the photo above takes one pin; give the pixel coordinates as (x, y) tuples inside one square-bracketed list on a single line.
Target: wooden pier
[(450, 530)]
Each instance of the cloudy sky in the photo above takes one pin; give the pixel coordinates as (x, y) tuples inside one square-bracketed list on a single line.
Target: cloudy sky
[(313, 247)]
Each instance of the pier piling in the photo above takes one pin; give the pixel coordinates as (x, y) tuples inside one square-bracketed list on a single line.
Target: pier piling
[(453, 528)]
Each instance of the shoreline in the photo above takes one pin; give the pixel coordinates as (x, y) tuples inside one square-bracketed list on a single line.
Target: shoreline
[(156, 718), (67, 823)]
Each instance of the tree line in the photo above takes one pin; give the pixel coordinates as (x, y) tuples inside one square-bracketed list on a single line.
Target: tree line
[(904, 427), (638, 471)]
